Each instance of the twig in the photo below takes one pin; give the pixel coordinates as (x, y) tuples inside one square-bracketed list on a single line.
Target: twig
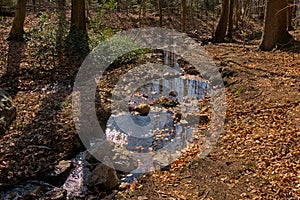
[(205, 195), (40, 147)]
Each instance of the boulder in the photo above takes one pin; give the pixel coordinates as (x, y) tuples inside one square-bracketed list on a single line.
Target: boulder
[(103, 178), (7, 111)]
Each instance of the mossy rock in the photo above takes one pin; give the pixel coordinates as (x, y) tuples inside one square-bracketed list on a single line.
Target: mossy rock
[(7, 111)]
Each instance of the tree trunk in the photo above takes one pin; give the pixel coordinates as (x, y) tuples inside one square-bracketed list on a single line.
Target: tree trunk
[(127, 7), (34, 5), (141, 10), (192, 8), (236, 13), (207, 8), (160, 13), (17, 30), (197, 9), (78, 37), (78, 15), (290, 15), (275, 25), (230, 19), (183, 20), (223, 22)]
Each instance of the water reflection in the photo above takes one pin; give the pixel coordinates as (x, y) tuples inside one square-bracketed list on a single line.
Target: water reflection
[(185, 88), (158, 128), (159, 136)]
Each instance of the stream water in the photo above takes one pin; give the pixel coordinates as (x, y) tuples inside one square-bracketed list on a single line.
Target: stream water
[(161, 131)]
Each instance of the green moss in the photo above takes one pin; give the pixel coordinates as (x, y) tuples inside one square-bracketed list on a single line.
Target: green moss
[(239, 91)]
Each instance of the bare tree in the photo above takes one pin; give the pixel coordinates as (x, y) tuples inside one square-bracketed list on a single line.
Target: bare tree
[(223, 22), (17, 29), (275, 25)]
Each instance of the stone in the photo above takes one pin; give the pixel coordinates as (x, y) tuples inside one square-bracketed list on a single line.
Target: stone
[(124, 186), (7, 111), (170, 103), (60, 173), (142, 109), (202, 119), (33, 194), (173, 93), (56, 193), (62, 166), (103, 178), (192, 71), (177, 117), (124, 161), (166, 102)]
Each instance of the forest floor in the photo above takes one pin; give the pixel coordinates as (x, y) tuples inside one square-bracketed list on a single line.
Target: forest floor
[(256, 157)]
